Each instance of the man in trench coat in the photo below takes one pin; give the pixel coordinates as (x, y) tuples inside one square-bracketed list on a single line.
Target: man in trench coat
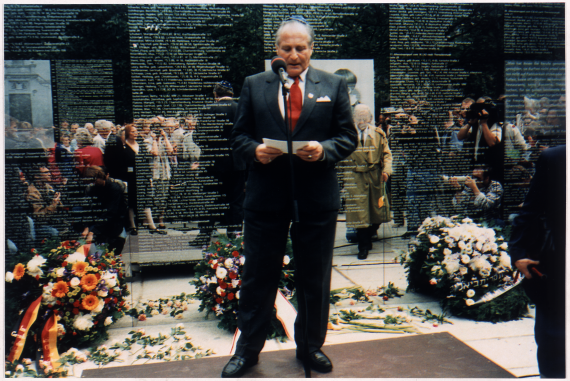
[(366, 171)]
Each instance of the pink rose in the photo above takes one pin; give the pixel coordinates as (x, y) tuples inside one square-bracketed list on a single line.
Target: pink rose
[(142, 317)]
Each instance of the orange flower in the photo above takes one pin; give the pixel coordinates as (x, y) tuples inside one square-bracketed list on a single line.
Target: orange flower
[(79, 268), (60, 289), (90, 302), (19, 271), (89, 282)]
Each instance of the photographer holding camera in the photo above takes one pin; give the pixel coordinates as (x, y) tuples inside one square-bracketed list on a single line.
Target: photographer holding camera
[(480, 197), (482, 133)]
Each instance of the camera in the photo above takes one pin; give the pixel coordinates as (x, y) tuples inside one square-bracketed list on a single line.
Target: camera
[(495, 109), (460, 179)]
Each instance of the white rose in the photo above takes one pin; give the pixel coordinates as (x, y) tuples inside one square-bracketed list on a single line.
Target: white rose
[(19, 368), (213, 280), (111, 282), (479, 246), (154, 312), (286, 260), (480, 263), (76, 257), (219, 290), (462, 270), (229, 263), (74, 282), (446, 251), (221, 272), (461, 245), (242, 260), (83, 322), (235, 283), (203, 279), (34, 265), (108, 320), (451, 265), (237, 295), (48, 298), (505, 260), (60, 272), (470, 293), (102, 293), (465, 259), (433, 239), (99, 307), (469, 302), (504, 246), (9, 277)]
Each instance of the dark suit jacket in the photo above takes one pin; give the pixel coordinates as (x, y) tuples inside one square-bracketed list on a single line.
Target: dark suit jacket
[(544, 211), (328, 122), (547, 199)]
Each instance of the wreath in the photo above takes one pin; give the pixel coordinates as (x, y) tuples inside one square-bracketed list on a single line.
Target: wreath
[(218, 282), (65, 293), (467, 267)]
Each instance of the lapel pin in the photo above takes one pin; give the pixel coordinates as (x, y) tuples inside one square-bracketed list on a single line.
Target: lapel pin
[(310, 95)]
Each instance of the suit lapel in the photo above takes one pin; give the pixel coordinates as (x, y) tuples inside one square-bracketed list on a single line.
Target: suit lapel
[(311, 87), (271, 90)]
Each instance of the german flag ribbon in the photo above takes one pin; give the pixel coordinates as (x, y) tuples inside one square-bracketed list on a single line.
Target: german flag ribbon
[(49, 342), (85, 248), (22, 333)]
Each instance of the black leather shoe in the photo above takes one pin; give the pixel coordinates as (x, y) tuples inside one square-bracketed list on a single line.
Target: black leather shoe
[(237, 366), (318, 361), (363, 254)]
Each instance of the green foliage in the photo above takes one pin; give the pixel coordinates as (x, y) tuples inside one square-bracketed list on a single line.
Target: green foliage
[(428, 316), (508, 306), (390, 291)]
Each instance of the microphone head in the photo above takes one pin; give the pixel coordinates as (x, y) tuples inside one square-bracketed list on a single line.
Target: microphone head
[(278, 63)]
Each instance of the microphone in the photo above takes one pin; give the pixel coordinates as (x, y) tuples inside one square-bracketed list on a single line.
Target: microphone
[(279, 67)]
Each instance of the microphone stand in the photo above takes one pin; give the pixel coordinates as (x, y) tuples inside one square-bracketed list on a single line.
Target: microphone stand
[(299, 285)]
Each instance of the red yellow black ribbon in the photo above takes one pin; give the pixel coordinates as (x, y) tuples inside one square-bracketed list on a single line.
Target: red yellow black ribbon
[(49, 342), (27, 321)]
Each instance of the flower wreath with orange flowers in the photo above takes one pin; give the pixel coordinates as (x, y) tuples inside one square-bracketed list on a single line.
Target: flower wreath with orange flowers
[(67, 292)]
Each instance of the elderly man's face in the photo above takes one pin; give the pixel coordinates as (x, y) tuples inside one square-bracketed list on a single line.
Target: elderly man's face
[(295, 49), (362, 119)]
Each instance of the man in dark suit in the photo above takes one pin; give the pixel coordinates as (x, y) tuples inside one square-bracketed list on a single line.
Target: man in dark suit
[(538, 240), (320, 115)]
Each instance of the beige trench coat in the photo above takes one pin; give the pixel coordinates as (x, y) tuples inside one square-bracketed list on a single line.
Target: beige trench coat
[(366, 198)]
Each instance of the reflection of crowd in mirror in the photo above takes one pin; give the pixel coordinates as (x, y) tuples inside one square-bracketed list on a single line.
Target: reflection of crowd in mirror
[(153, 165)]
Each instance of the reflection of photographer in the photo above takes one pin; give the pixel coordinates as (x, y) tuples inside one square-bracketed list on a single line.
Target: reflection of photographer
[(483, 129), (480, 197)]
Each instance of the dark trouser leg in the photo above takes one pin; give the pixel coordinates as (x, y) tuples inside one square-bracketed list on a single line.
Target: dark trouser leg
[(549, 333), (364, 238), (313, 243), (265, 237)]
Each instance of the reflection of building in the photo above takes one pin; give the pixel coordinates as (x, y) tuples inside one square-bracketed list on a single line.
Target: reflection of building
[(27, 92)]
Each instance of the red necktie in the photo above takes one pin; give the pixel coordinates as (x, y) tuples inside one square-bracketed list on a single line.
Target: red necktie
[(295, 103)]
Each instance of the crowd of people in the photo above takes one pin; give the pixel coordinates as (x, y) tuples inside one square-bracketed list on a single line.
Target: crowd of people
[(103, 176), (402, 167)]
